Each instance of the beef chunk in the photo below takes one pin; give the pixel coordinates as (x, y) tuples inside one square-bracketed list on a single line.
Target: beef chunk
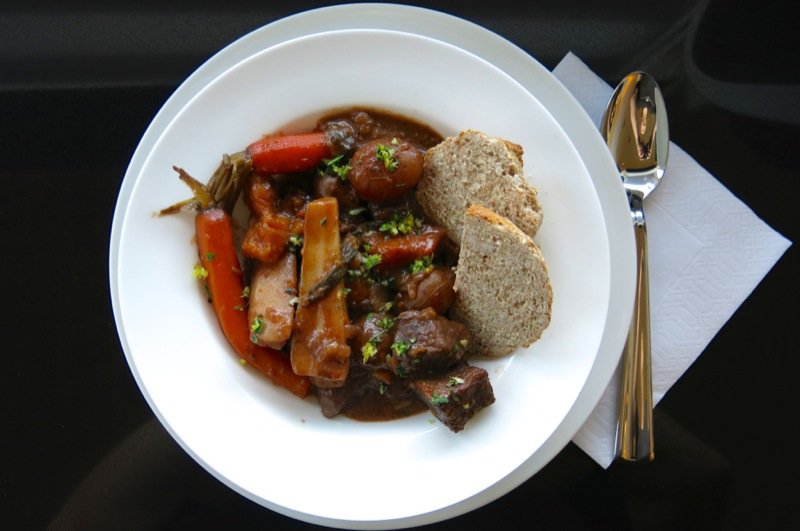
[(366, 295), (333, 186), (372, 340), (455, 396), (333, 400), (425, 343), (431, 287)]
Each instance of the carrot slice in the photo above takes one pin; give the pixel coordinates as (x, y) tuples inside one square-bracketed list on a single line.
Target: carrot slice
[(402, 250), (289, 153), (319, 346), (215, 246)]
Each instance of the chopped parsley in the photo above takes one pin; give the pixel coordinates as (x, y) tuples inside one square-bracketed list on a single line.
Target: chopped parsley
[(199, 272), (256, 327), (210, 256), (401, 223), (368, 350), (338, 166), (458, 346), (246, 292), (422, 264), (438, 400), (294, 243), (400, 347), (368, 268), (454, 381), (385, 323), (369, 261), (386, 155)]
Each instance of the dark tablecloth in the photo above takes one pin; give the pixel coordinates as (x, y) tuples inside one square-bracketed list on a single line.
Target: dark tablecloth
[(80, 448)]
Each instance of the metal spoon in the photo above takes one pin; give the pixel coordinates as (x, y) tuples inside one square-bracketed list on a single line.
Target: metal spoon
[(637, 133)]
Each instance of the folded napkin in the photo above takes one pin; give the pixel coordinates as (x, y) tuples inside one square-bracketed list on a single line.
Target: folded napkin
[(697, 275)]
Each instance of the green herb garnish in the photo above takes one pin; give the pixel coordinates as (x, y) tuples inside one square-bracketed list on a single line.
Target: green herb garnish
[(368, 350), (256, 327), (199, 272), (422, 264), (294, 243), (438, 400), (338, 166), (385, 323), (454, 381), (370, 261), (400, 347), (401, 223), (386, 155)]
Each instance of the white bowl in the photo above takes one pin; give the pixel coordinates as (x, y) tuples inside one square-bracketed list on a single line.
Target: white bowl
[(279, 450)]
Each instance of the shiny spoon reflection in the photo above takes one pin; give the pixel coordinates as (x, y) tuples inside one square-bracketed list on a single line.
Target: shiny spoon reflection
[(636, 130)]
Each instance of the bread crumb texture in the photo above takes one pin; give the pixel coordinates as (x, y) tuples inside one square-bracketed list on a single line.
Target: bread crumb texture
[(503, 290), (476, 168)]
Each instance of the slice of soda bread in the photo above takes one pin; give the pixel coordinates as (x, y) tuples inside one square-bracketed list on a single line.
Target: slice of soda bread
[(476, 168), (503, 290)]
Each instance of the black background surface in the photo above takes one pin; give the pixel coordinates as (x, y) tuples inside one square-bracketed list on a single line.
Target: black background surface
[(80, 448)]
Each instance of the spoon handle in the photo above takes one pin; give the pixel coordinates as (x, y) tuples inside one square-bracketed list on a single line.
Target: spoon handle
[(635, 425)]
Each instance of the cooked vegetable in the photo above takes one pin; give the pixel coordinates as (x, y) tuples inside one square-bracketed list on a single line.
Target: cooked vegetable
[(220, 268), (272, 290), (329, 280), (402, 250), (290, 153), (385, 170), (215, 246), (319, 346), (267, 236), (379, 262)]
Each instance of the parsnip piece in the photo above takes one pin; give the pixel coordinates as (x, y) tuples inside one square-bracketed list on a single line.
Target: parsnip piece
[(319, 347), (271, 309)]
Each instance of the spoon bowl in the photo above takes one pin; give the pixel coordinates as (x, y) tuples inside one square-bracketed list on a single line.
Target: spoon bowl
[(636, 130)]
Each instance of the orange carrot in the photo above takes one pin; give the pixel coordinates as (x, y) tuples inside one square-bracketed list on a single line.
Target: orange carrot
[(217, 252), (290, 153), (402, 250)]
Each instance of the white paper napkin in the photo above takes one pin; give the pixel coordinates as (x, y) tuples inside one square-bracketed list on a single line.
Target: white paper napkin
[(707, 253)]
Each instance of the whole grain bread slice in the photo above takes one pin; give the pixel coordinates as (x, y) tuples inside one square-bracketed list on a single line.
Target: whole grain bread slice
[(503, 290), (476, 168)]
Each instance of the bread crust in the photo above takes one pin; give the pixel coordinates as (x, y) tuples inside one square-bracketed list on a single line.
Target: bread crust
[(503, 290), (476, 168)]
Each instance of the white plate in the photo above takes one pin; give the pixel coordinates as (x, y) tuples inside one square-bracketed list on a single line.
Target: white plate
[(233, 422)]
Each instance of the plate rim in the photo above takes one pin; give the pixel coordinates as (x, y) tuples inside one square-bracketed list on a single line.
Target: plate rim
[(258, 40)]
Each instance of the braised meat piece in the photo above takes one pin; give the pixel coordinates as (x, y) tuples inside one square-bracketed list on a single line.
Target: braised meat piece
[(455, 396), (371, 344), (425, 342), (365, 295), (333, 400), (429, 286), (385, 400), (326, 185), (370, 394)]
